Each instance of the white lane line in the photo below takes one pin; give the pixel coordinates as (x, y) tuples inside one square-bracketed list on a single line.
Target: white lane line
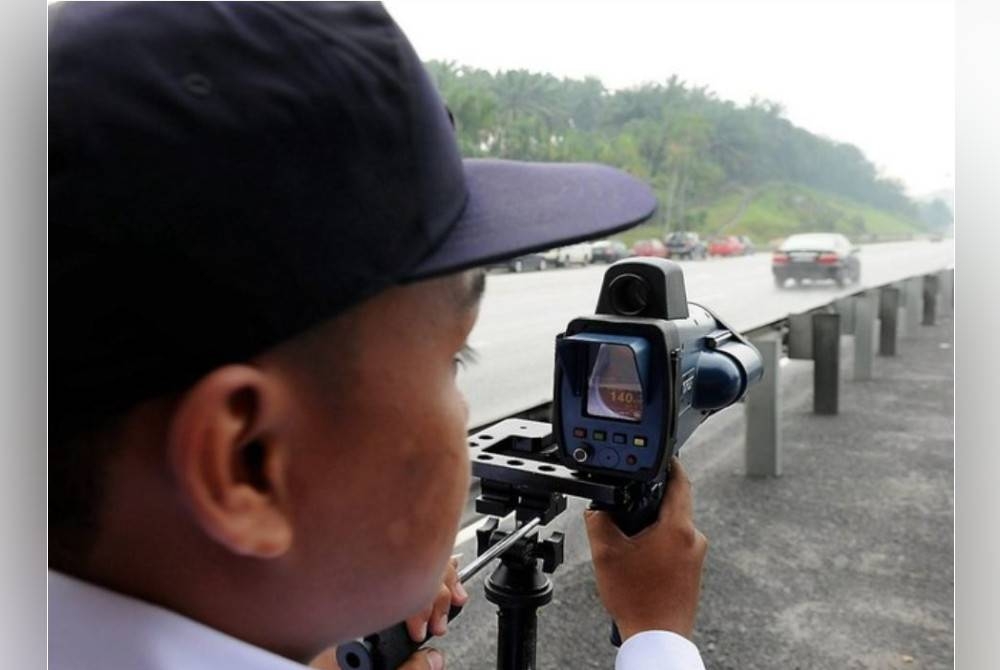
[(469, 531)]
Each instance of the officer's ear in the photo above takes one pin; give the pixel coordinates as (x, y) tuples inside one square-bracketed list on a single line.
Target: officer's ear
[(230, 462)]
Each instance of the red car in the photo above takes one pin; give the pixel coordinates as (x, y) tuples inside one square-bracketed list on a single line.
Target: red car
[(649, 248), (726, 246)]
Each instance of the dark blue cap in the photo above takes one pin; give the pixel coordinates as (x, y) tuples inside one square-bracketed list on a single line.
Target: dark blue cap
[(222, 176)]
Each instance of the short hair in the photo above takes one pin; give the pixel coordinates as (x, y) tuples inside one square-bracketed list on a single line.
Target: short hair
[(78, 463)]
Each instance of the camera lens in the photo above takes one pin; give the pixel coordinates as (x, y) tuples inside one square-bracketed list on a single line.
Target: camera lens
[(629, 294)]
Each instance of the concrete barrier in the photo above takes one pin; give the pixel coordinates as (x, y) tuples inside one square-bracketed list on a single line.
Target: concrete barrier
[(845, 308), (763, 414), (865, 307), (800, 336)]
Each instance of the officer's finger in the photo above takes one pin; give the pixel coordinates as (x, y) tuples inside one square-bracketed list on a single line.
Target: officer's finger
[(458, 594), (438, 621), (416, 625), (677, 499)]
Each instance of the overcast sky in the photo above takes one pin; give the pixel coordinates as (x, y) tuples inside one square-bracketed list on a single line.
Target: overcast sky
[(876, 73)]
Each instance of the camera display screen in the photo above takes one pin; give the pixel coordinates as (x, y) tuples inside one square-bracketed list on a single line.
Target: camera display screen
[(614, 390)]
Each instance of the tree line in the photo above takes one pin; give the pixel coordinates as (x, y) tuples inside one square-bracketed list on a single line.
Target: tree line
[(691, 146)]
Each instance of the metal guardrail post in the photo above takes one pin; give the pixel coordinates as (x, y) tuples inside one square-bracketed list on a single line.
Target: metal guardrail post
[(826, 363), (763, 414), (931, 290), (901, 319), (800, 336), (914, 304), (845, 308), (864, 335), (888, 314), (947, 290)]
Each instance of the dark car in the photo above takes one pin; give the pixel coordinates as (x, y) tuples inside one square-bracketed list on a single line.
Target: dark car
[(649, 248), (608, 251), (816, 256), (523, 263), (685, 245)]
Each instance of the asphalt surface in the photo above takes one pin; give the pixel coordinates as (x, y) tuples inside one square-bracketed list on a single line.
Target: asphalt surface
[(845, 561)]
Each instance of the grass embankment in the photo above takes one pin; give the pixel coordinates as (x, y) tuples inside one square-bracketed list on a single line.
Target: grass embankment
[(782, 209)]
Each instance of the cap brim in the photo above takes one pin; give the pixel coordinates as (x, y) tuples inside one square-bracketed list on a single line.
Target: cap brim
[(516, 208)]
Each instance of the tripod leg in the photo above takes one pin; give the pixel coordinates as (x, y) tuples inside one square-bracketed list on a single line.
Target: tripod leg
[(516, 640)]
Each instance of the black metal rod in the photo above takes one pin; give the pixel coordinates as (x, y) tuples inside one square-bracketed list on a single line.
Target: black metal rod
[(516, 638), (931, 288), (826, 363), (888, 313), (518, 587)]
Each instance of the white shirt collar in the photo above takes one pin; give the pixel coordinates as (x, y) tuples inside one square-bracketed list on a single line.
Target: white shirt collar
[(92, 628)]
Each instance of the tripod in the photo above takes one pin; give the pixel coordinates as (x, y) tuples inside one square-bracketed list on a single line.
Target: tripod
[(519, 585)]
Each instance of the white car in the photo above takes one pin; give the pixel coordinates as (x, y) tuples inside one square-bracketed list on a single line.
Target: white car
[(576, 254)]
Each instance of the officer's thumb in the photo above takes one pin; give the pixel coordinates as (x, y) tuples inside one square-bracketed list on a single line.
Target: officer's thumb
[(425, 659)]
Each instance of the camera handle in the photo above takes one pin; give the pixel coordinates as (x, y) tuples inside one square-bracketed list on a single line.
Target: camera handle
[(643, 513)]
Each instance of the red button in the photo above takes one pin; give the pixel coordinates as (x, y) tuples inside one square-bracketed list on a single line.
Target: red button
[(580, 432), (630, 459)]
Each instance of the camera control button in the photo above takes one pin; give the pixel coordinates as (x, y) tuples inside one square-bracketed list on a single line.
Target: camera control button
[(581, 454), (619, 438), (607, 457)]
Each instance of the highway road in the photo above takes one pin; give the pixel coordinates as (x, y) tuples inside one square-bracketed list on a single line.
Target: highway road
[(522, 313), (821, 568)]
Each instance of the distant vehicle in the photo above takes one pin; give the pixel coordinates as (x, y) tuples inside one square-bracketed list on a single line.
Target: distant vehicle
[(523, 263), (649, 248), (608, 251), (748, 246), (685, 245), (729, 245), (816, 256), (575, 254)]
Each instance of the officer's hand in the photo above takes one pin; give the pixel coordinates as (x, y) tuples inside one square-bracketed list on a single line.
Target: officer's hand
[(425, 659), (434, 617), (651, 581)]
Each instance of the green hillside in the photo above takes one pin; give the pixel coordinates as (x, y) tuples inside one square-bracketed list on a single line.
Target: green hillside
[(716, 166), (780, 209)]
